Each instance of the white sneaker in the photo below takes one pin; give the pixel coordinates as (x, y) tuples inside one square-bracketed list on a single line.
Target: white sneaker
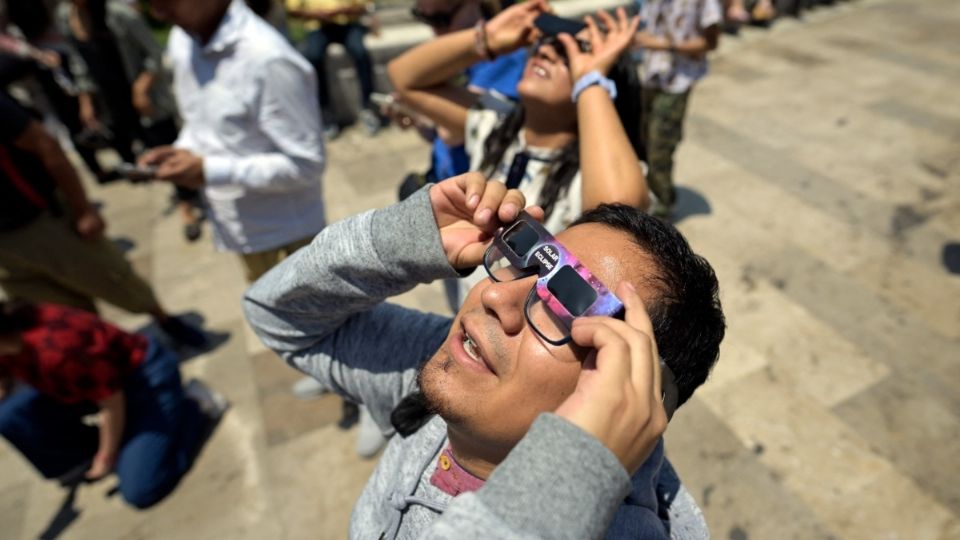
[(371, 121), (308, 388), (369, 437), (210, 402)]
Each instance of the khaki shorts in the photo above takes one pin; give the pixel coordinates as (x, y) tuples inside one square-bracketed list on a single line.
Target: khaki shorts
[(46, 261), (257, 264)]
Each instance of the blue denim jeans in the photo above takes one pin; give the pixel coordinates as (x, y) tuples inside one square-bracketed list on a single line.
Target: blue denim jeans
[(351, 37), (160, 438)]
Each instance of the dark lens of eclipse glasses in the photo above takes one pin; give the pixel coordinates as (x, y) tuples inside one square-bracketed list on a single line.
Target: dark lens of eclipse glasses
[(569, 289), (558, 46), (520, 239)]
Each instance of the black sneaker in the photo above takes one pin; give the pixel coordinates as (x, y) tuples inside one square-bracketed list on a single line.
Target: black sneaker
[(331, 131), (192, 231), (371, 121), (183, 333), (349, 415)]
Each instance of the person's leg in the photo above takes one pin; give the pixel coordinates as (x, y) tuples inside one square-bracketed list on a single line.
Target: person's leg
[(26, 283), (48, 251), (257, 264), (646, 110), (162, 431), (353, 41), (51, 435), (49, 248), (664, 134), (317, 42)]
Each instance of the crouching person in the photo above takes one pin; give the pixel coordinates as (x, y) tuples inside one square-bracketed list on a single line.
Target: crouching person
[(537, 410), (59, 364)]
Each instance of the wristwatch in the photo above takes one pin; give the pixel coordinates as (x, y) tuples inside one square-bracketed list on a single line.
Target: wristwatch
[(590, 79)]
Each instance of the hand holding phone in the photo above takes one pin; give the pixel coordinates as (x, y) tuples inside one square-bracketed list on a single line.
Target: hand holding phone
[(136, 173), (398, 112)]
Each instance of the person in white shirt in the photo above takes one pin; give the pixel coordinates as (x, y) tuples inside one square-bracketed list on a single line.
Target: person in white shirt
[(252, 137)]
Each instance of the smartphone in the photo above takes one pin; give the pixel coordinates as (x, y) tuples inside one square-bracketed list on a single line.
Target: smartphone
[(389, 103), (552, 25), (136, 173)]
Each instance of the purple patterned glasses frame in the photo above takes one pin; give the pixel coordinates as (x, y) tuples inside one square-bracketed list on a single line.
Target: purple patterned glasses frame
[(565, 287)]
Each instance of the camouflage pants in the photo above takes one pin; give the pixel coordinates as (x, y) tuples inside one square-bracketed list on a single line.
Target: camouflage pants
[(663, 127)]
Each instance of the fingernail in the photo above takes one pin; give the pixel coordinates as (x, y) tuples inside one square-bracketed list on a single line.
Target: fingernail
[(630, 286), (472, 202), (511, 210), (484, 216)]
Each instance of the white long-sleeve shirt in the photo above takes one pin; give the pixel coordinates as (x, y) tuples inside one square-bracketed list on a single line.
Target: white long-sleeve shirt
[(249, 105)]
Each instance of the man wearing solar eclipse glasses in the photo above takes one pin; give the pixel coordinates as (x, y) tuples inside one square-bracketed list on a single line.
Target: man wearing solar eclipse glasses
[(537, 410)]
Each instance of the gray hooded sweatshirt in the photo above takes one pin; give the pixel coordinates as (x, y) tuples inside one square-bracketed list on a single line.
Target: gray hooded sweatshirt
[(322, 310)]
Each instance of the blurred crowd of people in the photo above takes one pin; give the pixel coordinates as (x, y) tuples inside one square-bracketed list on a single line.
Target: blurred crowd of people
[(578, 117)]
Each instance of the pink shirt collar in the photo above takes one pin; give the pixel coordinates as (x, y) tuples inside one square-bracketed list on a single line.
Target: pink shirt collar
[(451, 478)]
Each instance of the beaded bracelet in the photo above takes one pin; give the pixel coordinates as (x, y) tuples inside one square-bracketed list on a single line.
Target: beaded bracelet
[(480, 43)]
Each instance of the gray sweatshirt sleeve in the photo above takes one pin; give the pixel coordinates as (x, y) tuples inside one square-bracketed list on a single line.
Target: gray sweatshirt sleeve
[(558, 482), (322, 309)]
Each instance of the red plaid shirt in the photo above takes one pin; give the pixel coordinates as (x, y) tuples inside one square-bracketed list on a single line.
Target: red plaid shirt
[(74, 356)]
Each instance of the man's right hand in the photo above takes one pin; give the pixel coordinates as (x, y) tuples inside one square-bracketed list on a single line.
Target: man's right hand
[(155, 156), (469, 209), (618, 396)]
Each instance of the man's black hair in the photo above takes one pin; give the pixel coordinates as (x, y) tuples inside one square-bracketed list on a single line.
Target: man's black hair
[(688, 322)]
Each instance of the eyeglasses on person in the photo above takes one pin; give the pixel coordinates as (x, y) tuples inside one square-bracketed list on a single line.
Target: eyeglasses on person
[(565, 289)]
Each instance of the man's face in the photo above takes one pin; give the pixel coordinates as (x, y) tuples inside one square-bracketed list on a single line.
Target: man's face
[(494, 399), (190, 15), (463, 13)]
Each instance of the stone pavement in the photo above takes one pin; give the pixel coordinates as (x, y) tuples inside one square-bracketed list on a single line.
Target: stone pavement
[(821, 177)]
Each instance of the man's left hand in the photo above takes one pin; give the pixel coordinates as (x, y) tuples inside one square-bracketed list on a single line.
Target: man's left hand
[(469, 209), (182, 167)]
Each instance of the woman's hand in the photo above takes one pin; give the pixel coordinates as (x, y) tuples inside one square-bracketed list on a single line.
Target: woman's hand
[(617, 399), (605, 48), (469, 209), (513, 27), (102, 466)]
